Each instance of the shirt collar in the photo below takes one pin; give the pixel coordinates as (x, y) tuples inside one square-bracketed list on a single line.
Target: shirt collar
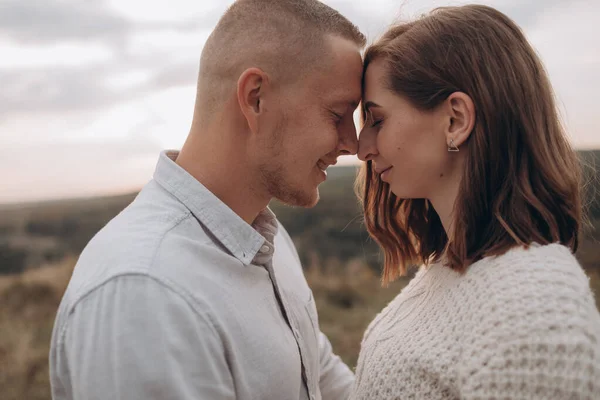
[(249, 244)]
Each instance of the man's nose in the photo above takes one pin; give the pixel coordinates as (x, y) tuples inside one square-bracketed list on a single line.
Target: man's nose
[(348, 142), (367, 148)]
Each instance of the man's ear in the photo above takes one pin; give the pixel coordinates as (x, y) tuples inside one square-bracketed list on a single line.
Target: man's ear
[(250, 88), (460, 114)]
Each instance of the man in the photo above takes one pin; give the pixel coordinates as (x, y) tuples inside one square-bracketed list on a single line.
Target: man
[(194, 291)]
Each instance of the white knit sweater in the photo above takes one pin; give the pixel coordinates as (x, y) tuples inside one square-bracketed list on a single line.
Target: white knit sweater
[(523, 325)]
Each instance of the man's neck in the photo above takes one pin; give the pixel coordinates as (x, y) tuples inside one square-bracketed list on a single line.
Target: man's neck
[(227, 177)]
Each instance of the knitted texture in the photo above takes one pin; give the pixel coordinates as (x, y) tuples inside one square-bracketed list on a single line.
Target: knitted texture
[(523, 325)]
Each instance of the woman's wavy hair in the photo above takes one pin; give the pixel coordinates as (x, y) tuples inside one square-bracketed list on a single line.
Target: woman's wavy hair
[(521, 182)]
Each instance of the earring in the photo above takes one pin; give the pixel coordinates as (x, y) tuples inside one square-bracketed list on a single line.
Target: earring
[(452, 147)]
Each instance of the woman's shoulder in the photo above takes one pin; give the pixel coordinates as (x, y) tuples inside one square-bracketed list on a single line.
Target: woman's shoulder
[(543, 268), (533, 326), (535, 288), (531, 314)]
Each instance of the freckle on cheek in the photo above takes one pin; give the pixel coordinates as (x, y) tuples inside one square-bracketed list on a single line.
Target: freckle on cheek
[(441, 175)]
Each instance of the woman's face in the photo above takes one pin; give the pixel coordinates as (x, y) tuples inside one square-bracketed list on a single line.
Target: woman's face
[(407, 146)]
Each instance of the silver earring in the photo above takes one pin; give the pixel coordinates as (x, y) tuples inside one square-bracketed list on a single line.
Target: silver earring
[(452, 147)]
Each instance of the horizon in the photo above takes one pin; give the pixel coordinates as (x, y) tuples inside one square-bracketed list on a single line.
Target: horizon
[(92, 92), (134, 190)]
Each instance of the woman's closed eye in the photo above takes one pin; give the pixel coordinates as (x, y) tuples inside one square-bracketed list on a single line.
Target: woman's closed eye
[(376, 122), (373, 122)]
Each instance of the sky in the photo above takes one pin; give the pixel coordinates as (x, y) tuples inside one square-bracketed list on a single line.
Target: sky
[(91, 92)]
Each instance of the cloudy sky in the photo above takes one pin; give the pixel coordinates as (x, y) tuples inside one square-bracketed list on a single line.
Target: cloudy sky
[(90, 92)]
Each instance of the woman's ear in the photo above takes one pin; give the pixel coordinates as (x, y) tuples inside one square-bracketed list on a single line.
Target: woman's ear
[(250, 88), (461, 119)]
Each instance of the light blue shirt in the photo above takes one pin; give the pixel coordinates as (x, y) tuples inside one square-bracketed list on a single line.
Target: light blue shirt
[(179, 298)]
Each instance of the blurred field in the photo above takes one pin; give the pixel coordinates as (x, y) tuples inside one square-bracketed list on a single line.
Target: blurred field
[(29, 302), (39, 245)]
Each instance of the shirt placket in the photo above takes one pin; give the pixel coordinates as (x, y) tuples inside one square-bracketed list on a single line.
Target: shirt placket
[(293, 324)]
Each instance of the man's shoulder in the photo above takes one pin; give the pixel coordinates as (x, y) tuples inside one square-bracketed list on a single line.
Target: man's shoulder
[(146, 239), (179, 272), (130, 241)]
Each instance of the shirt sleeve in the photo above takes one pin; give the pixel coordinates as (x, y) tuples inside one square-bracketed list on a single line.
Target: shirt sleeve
[(135, 338), (336, 379)]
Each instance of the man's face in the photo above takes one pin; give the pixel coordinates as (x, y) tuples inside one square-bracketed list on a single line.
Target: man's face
[(316, 126)]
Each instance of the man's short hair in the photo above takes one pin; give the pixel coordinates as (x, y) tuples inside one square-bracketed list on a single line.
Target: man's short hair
[(285, 38)]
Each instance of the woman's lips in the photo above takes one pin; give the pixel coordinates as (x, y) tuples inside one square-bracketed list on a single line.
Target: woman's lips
[(385, 174)]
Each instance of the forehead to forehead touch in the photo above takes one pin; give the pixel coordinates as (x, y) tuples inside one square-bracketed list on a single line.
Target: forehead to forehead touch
[(374, 80), (265, 34), (339, 78)]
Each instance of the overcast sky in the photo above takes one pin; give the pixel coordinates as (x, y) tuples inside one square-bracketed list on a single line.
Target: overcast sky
[(90, 92)]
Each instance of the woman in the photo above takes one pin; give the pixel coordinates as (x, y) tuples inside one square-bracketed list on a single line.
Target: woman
[(469, 173)]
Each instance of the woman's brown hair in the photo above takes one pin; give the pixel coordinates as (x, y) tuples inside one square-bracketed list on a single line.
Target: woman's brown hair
[(521, 182)]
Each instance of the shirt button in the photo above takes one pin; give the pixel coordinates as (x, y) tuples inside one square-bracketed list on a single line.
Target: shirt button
[(264, 248)]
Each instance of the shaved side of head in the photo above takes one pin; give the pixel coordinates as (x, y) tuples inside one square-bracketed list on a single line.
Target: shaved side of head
[(284, 38)]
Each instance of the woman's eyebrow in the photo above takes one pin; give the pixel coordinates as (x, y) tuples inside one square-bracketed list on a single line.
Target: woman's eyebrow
[(370, 104)]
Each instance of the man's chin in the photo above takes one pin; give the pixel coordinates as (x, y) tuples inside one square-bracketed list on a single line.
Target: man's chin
[(312, 203), (305, 199)]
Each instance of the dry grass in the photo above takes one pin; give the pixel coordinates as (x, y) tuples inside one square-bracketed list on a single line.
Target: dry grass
[(29, 303)]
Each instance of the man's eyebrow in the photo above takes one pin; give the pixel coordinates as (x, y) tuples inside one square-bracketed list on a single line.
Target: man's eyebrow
[(351, 103)]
